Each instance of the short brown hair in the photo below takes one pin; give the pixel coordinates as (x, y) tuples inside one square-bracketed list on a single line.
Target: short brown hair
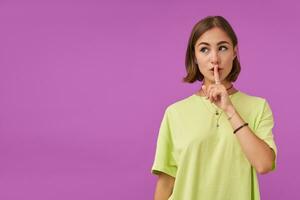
[(201, 27)]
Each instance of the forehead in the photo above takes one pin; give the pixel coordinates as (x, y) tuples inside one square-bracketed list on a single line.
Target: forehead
[(213, 36)]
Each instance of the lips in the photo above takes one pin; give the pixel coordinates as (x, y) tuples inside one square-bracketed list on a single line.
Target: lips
[(219, 69)]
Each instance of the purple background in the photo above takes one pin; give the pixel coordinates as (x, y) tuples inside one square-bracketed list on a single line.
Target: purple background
[(84, 85)]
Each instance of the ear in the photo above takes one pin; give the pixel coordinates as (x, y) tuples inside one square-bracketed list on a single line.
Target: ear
[(235, 50)]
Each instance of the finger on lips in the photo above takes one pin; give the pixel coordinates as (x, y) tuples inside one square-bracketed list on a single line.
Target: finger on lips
[(210, 91), (216, 74)]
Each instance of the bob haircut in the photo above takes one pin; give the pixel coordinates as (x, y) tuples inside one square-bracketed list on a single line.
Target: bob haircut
[(209, 22)]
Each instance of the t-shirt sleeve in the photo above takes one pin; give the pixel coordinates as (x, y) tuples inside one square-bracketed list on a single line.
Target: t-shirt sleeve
[(164, 160), (264, 129)]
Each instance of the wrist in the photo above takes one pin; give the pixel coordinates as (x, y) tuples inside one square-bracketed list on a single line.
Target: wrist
[(230, 110)]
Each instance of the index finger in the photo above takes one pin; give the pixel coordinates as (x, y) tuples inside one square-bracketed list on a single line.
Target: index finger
[(216, 75)]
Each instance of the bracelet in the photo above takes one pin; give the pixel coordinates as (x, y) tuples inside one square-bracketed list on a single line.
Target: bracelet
[(246, 124), (229, 118)]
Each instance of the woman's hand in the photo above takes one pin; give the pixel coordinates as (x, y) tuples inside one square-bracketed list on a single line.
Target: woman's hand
[(217, 92)]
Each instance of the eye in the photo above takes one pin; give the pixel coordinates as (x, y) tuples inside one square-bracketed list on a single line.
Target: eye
[(224, 47), (203, 49)]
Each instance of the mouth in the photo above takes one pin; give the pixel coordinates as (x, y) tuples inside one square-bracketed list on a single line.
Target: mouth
[(219, 69)]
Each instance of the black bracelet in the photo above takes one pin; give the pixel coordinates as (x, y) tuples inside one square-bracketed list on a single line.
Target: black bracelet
[(246, 124)]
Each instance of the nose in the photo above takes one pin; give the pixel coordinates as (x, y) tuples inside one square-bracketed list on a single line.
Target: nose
[(214, 57)]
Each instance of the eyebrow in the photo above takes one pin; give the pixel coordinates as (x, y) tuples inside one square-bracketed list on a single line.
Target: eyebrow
[(205, 43)]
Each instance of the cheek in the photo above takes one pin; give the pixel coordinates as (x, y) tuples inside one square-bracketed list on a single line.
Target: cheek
[(228, 62), (202, 69), (201, 63), (202, 60)]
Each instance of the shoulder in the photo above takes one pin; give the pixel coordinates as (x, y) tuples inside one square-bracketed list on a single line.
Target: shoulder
[(252, 103), (251, 99), (184, 103)]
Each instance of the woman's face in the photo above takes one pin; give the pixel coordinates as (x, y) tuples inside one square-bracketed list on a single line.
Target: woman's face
[(214, 47)]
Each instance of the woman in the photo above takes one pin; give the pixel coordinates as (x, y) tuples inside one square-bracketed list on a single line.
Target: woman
[(212, 144)]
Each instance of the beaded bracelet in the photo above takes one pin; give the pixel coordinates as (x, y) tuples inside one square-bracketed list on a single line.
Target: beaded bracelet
[(246, 124)]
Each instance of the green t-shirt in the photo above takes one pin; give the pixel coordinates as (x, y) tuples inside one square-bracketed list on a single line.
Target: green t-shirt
[(207, 161)]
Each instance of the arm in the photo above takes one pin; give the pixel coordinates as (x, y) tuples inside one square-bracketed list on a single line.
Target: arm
[(164, 187), (259, 154)]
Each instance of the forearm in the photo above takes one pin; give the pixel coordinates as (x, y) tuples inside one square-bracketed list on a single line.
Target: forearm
[(259, 154), (161, 192)]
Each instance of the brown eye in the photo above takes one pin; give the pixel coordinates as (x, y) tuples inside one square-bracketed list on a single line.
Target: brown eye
[(203, 49), (224, 47)]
